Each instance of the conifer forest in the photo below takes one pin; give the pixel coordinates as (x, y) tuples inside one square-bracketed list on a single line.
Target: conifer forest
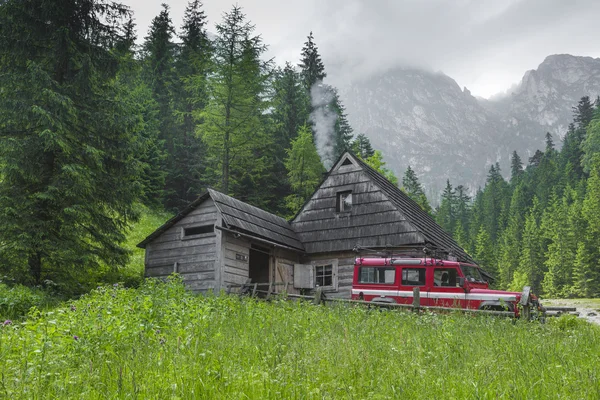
[(101, 122)]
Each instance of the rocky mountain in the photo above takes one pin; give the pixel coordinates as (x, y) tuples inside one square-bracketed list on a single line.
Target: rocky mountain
[(425, 120)]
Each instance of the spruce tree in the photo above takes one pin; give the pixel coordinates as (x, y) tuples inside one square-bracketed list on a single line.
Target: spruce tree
[(484, 253), (509, 247), (561, 249), (530, 271), (516, 168), (67, 153), (583, 112), (186, 160), (412, 187), (446, 214), (311, 66), (361, 146)]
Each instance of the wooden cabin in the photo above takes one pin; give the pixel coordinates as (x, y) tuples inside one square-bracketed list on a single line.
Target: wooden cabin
[(218, 241)]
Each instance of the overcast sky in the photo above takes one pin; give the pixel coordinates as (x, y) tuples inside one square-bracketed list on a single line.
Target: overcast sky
[(485, 45)]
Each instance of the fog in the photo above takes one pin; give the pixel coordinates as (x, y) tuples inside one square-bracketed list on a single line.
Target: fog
[(485, 45)]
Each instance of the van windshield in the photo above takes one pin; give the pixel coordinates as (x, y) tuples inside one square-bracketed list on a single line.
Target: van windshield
[(471, 273)]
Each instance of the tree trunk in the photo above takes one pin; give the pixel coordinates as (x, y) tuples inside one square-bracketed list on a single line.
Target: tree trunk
[(35, 267)]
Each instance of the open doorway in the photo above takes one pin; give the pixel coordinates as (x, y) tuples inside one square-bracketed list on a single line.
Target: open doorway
[(259, 265)]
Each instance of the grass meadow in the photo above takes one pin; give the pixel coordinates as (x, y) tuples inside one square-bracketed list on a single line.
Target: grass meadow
[(160, 342)]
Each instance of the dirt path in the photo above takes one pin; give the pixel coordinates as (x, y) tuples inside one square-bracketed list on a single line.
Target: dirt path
[(587, 308)]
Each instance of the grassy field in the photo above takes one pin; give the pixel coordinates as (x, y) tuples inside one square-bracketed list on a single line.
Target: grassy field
[(159, 341)]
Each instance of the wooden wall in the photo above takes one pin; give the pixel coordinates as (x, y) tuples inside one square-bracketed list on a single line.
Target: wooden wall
[(374, 221), (345, 271), (193, 258)]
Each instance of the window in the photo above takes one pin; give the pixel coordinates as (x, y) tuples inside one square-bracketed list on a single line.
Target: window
[(344, 201), (413, 276), (323, 275), (377, 275), (444, 277), (198, 230)]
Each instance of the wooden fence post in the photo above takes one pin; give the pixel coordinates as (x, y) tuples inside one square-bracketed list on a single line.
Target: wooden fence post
[(416, 299), (526, 303), (318, 294)]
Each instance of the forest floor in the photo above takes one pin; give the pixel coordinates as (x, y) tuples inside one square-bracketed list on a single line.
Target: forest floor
[(588, 309)]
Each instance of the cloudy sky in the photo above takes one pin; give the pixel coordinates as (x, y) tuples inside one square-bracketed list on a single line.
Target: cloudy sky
[(485, 45)]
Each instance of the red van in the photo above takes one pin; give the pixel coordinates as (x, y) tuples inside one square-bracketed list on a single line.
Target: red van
[(442, 283)]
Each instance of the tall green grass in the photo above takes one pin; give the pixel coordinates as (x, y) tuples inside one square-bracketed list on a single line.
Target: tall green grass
[(161, 342)]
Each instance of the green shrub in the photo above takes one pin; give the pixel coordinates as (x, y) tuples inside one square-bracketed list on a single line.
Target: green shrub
[(17, 300)]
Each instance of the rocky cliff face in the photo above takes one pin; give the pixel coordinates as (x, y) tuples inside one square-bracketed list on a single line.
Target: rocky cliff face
[(425, 120)]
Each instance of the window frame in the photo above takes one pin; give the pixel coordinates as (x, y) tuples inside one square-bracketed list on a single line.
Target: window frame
[(377, 268), (424, 281), (340, 204), (334, 274), (187, 236)]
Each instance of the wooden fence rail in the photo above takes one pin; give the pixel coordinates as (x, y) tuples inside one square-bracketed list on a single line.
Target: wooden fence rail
[(320, 298)]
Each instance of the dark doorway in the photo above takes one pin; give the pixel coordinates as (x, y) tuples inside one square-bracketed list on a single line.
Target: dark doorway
[(259, 265)]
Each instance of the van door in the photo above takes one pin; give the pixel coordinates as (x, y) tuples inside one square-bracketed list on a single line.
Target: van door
[(410, 278), (444, 290)]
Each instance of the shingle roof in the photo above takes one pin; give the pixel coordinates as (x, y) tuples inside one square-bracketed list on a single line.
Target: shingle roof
[(244, 217), (240, 216), (422, 221)]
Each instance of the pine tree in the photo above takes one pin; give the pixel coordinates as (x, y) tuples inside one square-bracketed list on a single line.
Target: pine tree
[(412, 187), (361, 146), (496, 202), (67, 154), (312, 68), (304, 168)]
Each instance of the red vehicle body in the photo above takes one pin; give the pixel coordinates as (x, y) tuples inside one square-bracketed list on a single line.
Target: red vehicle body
[(442, 283)]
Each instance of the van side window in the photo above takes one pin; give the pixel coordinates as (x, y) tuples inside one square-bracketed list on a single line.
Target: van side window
[(444, 277), (377, 275), (413, 276)]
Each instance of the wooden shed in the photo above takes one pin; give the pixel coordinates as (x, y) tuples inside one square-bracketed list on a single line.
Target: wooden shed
[(218, 240)]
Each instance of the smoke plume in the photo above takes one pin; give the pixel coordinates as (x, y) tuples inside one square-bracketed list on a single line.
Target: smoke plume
[(323, 118)]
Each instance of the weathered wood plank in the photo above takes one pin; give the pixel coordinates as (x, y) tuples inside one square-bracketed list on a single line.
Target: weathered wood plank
[(177, 244), (236, 271), (372, 241), (187, 259), (203, 266), (351, 221), (232, 279), (357, 209), (345, 232), (236, 263), (199, 219), (182, 252), (197, 276), (245, 250), (343, 178)]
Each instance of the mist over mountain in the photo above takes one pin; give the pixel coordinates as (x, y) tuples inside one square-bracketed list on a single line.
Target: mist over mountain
[(427, 121)]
